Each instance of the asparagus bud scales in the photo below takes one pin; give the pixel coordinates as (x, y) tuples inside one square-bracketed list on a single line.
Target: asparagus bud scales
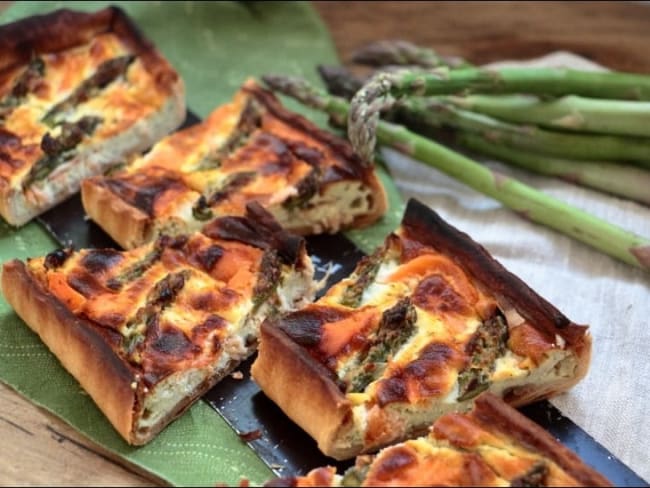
[(379, 93), (403, 53), (526, 201), (339, 80)]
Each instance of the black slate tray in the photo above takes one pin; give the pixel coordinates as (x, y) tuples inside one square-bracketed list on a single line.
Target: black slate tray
[(282, 445)]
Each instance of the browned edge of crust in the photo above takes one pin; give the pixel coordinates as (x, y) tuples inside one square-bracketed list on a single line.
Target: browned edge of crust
[(75, 343), (258, 228), (300, 386), (52, 32), (496, 414), (339, 145), (165, 76), (423, 224), (127, 225)]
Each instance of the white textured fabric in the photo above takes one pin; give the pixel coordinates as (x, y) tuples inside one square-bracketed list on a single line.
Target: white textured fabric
[(612, 402)]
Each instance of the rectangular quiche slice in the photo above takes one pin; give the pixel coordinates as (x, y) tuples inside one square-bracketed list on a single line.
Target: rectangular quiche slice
[(251, 149), (79, 92), (147, 331), (493, 445), (419, 329)]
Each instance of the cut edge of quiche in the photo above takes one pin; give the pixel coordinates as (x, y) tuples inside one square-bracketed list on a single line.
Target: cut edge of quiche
[(148, 331), (419, 329), (492, 445), (79, 93), (250, 149)]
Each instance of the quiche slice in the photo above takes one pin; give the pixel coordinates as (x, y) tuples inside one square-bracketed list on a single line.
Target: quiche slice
[(79, 92), (251, 149), (493, 445), (147, 331), (419, 329)]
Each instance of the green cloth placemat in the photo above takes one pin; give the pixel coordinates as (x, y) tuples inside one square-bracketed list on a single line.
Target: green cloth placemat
[(215, 47)]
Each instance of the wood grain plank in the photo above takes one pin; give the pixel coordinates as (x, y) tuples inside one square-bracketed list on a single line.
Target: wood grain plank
[(611, 33), (39, 449)]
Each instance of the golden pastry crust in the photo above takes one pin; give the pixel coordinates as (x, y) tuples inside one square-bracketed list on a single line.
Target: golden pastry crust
[(79, 92), (308, 385), (251, 149), (418, 330), (75, 342), (127, 224)]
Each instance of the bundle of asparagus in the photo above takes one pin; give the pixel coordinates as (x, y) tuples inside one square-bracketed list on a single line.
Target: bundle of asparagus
[(526, 201), (600, 143), (588, 128)]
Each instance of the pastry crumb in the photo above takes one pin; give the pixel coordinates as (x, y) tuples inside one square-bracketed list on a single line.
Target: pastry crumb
[(250, 436)]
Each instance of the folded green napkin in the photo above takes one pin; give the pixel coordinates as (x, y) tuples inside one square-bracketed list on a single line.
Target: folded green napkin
[(215, 47)]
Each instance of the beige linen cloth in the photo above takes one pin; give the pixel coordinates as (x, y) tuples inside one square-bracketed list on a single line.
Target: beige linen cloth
[(612, 402)]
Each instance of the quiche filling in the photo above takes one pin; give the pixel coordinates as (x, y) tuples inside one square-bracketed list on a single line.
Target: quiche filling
[(107, 72), (22, 86)]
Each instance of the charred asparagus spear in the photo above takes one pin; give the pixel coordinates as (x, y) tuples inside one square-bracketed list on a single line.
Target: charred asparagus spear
[(383, 89), (528, 202)]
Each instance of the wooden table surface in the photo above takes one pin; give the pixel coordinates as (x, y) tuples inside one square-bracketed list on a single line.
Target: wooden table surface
[(38, 449)]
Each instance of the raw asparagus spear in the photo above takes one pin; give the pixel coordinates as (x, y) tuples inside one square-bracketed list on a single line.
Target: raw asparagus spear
[(625, 181), (383, 89), (621, 180), (571, 112), (340, 81), (527, 202), (403, 53), (433, 111)]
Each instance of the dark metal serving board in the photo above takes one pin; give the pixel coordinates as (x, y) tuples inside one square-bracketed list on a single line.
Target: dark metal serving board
[(282, 445)]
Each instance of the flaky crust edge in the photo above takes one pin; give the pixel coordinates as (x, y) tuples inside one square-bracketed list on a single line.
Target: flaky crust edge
[(301, 388), (78, 347), (127, 225)]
